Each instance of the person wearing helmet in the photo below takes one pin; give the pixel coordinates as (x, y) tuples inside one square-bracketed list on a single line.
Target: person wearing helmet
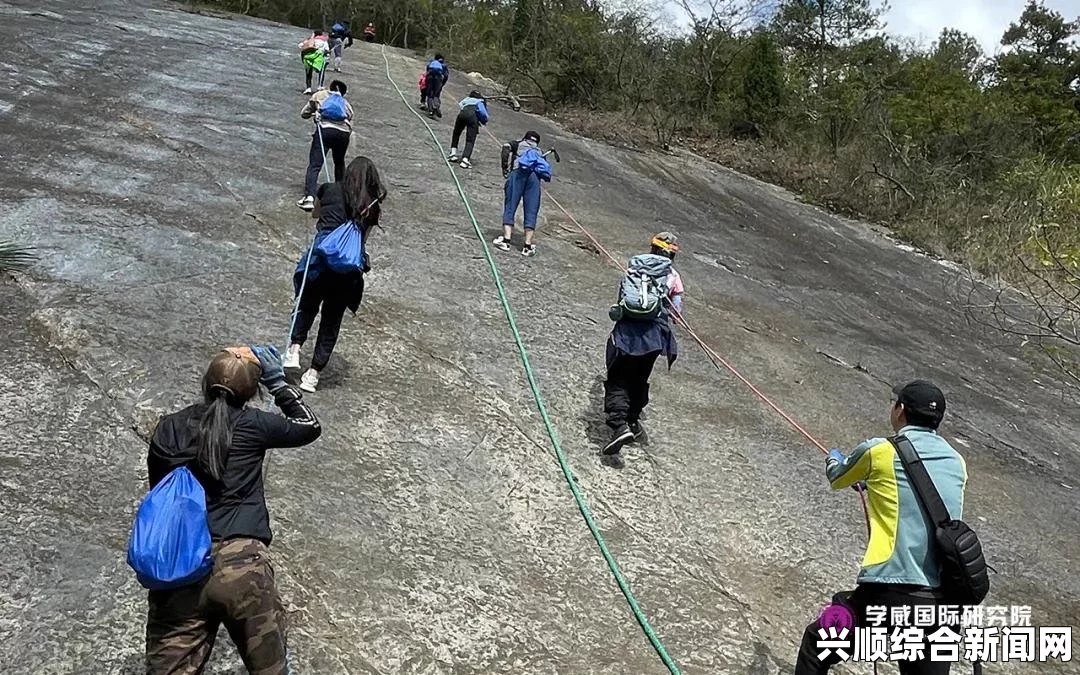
[(523, 167), (473, 113), (638, 339), (369, 32)]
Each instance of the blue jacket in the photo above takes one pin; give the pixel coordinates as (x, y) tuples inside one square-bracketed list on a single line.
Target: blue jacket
[(441, 68), (901, 549), (481, 109)]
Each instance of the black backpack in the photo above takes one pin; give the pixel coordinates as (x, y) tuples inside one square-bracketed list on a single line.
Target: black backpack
[(964, 577)]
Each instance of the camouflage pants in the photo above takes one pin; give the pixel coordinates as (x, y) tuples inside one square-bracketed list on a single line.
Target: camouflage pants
[(182, 624)]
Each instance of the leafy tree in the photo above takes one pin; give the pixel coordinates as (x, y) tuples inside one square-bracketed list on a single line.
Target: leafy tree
[(762, 80), (1036, 78)]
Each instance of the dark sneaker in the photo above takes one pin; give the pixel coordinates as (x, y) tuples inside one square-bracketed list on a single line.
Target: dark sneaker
[(638, 431), (621, 437)]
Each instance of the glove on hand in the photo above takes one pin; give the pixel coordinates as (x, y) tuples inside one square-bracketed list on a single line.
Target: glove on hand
[(835, 457), (273, 373)]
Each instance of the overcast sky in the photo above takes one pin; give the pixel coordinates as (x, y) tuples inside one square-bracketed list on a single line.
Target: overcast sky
[(984, 19), (922, 20)]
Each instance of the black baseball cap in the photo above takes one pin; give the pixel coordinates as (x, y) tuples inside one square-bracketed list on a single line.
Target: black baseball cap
[(531, 136), (923, 402)]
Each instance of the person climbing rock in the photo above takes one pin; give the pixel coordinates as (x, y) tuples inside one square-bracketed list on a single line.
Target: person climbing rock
[(423, 90), (333, 128), (224, 444), (313, 53), (436, 77), (650, 290), (473, 113), (369, 32), (901, 567), (524, 168), (358, 198), (340, 39)]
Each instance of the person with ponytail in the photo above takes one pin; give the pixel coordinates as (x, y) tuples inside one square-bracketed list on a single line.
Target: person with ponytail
[(359, 199), (224, 442)]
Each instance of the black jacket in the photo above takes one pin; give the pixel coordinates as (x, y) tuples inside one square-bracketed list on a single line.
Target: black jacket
[(236, 506)]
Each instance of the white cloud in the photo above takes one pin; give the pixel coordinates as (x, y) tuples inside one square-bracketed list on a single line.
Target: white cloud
[(986, 20)]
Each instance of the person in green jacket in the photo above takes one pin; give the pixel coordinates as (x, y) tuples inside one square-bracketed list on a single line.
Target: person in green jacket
[(313, 53)]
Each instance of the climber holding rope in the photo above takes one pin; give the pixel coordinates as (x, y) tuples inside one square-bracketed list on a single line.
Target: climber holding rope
[(329, 277), (333, 129)]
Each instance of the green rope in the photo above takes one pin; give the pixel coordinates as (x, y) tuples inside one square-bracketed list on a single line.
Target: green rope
[(586, 513)]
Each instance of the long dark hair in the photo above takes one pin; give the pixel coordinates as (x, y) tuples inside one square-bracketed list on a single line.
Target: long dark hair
[(361, 188), (230, 381)]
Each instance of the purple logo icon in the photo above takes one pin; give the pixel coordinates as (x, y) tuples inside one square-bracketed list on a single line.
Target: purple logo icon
[(838, 616)]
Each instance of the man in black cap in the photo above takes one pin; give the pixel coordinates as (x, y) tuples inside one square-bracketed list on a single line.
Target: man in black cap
[(523, 167), (901, 566)]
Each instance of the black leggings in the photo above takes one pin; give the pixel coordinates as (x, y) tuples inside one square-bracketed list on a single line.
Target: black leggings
[(330, 294), (309, 71), (466, 121)]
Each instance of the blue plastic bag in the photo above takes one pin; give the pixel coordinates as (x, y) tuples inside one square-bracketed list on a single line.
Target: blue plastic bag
[(170, 541), (343, 249), (333, 108)]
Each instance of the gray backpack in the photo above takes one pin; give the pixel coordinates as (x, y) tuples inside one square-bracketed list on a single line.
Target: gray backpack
[(644, 287)]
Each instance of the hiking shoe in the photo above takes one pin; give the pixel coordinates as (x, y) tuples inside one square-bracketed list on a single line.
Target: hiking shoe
[(292, 357), (501, 243), (307, 203), (309, 381), (528, 250), (438, 113), (465, 163), (621, 437), (638, 431)]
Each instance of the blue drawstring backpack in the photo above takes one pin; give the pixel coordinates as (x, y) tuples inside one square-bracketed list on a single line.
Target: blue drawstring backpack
[(343, 249), (333, 108), (170, 541)]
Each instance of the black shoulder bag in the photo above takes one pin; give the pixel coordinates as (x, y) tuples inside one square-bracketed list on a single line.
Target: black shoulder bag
[(964, 577)]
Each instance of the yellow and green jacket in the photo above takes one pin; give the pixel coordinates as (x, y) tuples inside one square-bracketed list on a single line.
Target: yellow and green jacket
[(901, 549)]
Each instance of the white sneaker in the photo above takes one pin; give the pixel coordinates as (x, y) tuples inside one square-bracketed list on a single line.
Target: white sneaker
[(528, 250), (453, 155), (307, 91), (292, 357), (307, 203), (465, 163), (501, 243), (309, 381)]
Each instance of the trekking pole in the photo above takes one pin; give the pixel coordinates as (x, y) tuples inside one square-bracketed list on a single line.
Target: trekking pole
[(322, 148)]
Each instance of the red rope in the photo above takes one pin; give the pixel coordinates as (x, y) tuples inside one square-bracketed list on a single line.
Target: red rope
[(714, 357)]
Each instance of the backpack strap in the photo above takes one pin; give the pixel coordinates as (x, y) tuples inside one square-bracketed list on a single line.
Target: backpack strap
[(921, 483)]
